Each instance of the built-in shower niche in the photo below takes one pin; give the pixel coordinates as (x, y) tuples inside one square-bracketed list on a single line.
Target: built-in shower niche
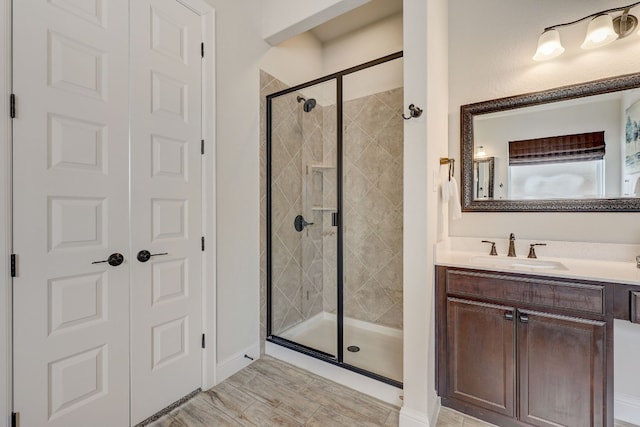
[(335, 287)]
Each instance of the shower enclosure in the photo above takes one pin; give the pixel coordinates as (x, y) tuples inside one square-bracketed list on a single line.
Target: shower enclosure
[(334, 218)]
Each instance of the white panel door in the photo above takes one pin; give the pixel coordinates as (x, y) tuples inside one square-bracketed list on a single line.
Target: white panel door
[(71, 317), (165, 204)]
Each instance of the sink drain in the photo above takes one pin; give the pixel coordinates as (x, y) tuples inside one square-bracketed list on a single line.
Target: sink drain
[(353, 348)]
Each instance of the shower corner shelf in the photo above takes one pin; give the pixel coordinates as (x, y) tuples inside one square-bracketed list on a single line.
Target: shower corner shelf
[(319, 167), (323, 208)]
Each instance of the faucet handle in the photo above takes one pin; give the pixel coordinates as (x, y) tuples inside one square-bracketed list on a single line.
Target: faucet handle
[(493, 247), (532, 251)]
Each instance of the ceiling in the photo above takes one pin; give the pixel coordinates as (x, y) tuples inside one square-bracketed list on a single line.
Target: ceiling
[(358, 18)]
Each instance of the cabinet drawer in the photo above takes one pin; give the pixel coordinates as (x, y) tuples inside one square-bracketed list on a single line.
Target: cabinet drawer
[(635, 307), (540, 292)]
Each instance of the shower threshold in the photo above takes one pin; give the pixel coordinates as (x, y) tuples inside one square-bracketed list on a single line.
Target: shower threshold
[(380, 347)]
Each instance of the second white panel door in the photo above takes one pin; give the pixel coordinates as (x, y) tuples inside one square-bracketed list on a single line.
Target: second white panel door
[(166, 208)]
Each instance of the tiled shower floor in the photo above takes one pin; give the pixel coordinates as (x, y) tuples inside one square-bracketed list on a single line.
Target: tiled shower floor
[(380, 348)]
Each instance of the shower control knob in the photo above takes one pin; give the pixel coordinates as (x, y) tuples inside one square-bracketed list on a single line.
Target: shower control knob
[(299, 223), (144, 255)]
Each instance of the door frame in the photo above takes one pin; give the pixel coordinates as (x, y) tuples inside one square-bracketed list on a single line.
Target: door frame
[(207, 14), (6, 402)]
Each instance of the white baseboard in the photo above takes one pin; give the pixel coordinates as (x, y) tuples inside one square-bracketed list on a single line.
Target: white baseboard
[(626, 408), (411, 418), (361, 383), (236, 362)]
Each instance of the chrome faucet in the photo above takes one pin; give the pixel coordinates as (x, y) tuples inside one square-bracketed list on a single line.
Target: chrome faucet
[(512, 246)]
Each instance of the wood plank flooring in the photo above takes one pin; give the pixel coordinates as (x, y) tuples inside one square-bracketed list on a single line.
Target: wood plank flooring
[(270, 392)]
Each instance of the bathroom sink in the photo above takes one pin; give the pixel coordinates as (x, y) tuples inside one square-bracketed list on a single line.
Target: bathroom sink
[(533, 263)]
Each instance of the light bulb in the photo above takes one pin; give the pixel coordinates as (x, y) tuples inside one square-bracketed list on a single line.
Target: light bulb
[(549, 46), (600, 32)]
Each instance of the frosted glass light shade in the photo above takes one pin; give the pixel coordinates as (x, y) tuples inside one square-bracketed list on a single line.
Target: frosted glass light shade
[(600, 32), (549, 46)]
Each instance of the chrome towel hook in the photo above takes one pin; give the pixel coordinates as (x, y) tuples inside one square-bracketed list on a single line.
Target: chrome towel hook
[(414, 112)]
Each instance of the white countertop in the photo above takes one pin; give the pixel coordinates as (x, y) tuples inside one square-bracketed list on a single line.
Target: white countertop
[(603, 262)]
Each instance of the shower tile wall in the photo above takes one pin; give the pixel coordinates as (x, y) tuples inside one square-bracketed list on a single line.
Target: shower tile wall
[(373, 147), (297, 264), (373, 209)]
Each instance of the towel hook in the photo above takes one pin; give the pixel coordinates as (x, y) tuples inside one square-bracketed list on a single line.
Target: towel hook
[(414, 112)]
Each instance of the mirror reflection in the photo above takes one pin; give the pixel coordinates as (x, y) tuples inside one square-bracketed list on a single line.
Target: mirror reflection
[(573, 148), (483, 176), (580, 148)]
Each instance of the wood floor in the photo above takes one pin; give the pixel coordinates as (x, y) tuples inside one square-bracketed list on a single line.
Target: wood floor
[(273, 393), (270, 392)]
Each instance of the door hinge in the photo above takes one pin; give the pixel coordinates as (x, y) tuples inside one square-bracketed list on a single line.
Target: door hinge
[(202, 242), (202, 146), (202, 49), (13, 265), (15, 419), (203, 342), (12, 106)]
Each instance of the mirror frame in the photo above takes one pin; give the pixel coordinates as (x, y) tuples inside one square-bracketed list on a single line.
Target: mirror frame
[(581, 90)]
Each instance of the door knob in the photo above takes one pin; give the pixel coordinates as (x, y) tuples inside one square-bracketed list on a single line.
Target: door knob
[(144, 255), (114, 260)]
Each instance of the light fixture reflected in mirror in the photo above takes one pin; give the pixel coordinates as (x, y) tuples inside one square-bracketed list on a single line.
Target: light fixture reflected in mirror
[(480, 152), (602, 30)]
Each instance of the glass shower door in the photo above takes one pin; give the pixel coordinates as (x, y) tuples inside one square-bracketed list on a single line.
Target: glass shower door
[(372, 198), (302, 181)]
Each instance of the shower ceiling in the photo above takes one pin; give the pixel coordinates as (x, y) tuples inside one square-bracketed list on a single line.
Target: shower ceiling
[(360, 17)]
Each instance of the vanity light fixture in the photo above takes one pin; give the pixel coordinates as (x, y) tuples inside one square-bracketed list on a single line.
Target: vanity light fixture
[(480, 152), (602, 30)]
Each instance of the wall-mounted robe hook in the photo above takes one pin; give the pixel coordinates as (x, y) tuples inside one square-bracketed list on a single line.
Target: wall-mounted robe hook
[(414, 112)]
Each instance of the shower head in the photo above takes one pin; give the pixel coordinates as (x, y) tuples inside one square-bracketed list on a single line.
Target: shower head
[(309, 104)]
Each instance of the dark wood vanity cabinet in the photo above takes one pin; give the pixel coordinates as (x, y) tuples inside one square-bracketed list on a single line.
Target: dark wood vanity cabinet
[(518, 350)]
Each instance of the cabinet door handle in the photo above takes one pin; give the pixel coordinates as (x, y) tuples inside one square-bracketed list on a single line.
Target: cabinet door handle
[(524, 318), (508, 315)]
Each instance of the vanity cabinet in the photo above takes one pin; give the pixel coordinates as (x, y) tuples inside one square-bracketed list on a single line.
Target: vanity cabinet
[(520, 350), (635, 307)]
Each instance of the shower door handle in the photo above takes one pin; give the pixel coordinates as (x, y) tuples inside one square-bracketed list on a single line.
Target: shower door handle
[(334, 219)]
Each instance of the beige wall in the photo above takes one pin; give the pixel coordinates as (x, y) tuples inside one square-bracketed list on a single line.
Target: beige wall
[(491, 45)]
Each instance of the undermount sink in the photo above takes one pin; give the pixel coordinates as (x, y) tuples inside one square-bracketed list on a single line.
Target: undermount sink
[(534, 263)]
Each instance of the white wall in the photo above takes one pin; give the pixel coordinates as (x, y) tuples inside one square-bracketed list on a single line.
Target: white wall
[(296, 60), (368, 43), (283, 19), (490, 50), (425, 85), (239, 47)]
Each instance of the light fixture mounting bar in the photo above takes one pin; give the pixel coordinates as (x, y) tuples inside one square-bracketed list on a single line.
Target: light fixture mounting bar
[(593, 15)]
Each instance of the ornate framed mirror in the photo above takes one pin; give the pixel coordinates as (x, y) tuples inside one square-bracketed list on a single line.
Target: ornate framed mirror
[(569, 149)]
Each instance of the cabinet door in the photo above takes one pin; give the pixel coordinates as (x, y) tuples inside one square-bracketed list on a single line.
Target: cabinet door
[(480, 355), (562, 370)]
